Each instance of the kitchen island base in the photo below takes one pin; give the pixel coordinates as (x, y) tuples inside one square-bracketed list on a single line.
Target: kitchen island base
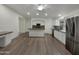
[(36, 33)]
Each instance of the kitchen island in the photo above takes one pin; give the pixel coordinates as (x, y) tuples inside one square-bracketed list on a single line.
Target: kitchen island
[(36, 32)]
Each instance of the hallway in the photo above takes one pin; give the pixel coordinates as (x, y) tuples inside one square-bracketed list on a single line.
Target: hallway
[(23, 45)]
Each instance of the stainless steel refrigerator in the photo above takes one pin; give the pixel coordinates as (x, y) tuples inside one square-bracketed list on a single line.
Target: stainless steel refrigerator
[(72, 35)]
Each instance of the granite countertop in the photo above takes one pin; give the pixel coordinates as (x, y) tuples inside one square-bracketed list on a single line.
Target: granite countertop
[(5, 33), (36, 29), (63, 31)]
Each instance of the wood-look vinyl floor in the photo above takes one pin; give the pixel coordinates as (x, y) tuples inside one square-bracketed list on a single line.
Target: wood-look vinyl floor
[(24, 45)]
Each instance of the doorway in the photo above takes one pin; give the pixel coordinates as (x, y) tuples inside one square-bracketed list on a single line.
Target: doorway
[(22, 25)]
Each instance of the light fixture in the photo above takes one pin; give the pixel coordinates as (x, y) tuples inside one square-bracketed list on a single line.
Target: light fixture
[(40, 7), (46, 14), (59, 15), (28, 13), (37, 13)]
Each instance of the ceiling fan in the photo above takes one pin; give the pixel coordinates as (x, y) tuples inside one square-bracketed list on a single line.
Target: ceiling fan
[(40, 7)]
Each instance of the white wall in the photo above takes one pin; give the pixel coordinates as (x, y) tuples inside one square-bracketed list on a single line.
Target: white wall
[(48, 24), (9, 21), (28, 24)]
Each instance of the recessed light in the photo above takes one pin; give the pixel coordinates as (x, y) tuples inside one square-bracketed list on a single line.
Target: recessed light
[(37, 13), (59, 15), (28, 13)]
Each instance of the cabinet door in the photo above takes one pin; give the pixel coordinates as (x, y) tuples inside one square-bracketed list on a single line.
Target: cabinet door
[(60, 36), (63, 37)]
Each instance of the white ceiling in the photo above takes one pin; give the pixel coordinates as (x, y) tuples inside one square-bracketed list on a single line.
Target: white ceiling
[(53, 10)]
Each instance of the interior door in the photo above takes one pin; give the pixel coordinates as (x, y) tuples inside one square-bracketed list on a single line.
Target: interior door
[(22, 25)]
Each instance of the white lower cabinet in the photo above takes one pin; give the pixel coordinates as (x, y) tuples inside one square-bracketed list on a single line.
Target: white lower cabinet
[(61, 36)]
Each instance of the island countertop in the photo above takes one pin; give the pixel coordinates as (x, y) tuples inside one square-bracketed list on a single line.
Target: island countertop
[(5, 33), (36, 29)]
